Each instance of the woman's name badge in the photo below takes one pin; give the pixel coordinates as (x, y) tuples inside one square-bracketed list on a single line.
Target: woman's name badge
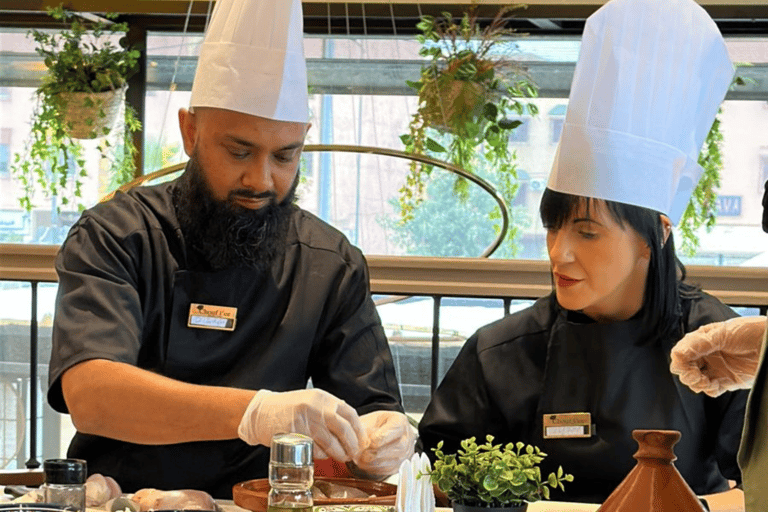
[(203, 316), (567, 425)]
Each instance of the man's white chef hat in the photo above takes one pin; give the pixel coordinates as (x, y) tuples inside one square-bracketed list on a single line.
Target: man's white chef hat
[(252, 60), (650, 78)]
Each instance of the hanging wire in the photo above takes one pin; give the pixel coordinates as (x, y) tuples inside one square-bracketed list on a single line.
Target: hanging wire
[(172, 87), (357, 115), (434, 71), (346, 16), (181, 46), (365, 26), (374, 126), (392, 15), (406, 99), (208, 16)]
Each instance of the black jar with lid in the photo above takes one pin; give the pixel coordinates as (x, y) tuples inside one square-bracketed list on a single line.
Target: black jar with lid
[(65, 483)]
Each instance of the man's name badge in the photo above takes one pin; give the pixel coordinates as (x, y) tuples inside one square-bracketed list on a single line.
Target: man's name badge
[(204, 316), (567, 425)]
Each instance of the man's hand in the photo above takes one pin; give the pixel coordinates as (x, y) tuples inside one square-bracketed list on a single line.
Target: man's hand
[(334, 426), (720, 357), (390, 441)]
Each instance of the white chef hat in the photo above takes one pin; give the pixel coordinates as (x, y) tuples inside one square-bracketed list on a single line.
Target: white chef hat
[(650, 78), (252, 60)]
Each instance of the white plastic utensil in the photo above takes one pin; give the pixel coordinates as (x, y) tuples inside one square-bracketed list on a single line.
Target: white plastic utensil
[(425, 484), (415, 494), (402, 486)]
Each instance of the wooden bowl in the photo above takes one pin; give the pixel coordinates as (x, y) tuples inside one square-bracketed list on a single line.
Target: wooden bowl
[(252, 494)]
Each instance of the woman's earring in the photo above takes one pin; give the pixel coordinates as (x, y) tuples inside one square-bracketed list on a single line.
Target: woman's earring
[(666, 227)]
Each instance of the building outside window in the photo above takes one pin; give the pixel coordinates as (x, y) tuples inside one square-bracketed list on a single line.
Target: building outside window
[(5, 153), (556, 120), (520, 134)]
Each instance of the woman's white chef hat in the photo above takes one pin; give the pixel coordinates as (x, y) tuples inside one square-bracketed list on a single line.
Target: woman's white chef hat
[(252, 60), (650, 78)]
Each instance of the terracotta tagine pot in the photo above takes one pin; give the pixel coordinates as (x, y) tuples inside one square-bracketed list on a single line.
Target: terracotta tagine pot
[(655, 484)]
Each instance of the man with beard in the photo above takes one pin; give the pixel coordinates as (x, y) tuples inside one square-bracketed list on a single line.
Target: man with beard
[(226, 234), (191, 315)]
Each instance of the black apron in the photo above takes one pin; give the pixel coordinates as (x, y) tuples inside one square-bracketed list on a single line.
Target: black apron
[(543, 361), (621, 377), (237, 358)]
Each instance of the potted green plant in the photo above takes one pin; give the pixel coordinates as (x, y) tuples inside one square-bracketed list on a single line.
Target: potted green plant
[(82, 92), (470, 96), (479, 478)]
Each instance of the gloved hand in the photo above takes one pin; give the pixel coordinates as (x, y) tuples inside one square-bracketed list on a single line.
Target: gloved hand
[(334, 426), (390, 441), (720, 357)]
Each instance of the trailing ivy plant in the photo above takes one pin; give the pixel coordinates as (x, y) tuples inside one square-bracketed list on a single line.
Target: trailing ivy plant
[(492, 475), (702, 208), (469, 96), (81, 57)]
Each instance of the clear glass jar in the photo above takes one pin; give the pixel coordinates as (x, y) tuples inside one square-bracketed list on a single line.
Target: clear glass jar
[(65, 483), (291, 473)]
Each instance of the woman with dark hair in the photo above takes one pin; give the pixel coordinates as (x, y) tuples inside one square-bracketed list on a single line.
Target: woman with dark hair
[(579, 370), (584, 366), (665, 273)]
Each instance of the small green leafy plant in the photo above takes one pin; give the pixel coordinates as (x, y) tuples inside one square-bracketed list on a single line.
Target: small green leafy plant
[(469, 98), (492, 475), (81, 57)]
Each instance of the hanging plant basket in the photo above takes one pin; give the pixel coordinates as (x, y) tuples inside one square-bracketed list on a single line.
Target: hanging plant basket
[(452, 103), (456, 95), (90, 115)]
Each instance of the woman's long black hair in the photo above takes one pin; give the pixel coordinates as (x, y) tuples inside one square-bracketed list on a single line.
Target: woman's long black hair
[(664, 286)]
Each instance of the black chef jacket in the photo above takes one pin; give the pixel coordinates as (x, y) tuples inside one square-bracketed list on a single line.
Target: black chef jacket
[(545, 360), (125, 290)]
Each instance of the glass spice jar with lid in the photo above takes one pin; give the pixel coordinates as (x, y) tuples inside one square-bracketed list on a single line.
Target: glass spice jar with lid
[(291, 473), (65, 483)]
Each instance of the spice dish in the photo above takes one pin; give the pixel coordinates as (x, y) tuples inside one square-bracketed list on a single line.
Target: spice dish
[(252, 494), (355, 508)]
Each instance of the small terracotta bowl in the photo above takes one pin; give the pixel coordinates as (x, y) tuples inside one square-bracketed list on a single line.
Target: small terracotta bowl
[(252, 494)]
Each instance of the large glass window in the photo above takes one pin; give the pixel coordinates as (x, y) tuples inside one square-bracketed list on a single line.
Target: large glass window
[(359, 97)]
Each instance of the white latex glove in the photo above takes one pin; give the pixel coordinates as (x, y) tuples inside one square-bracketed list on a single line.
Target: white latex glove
[(390, 441), (334, 426), (720, 357)]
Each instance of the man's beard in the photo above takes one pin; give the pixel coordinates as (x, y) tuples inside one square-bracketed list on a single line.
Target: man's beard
[(225, 234)]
